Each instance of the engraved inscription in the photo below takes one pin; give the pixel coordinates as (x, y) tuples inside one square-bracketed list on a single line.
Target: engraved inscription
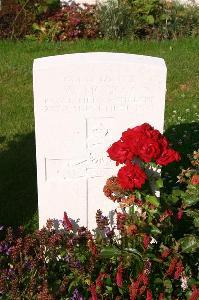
[(121, 95), (98, 136), (84, 104), (63, 169), (66, 169)]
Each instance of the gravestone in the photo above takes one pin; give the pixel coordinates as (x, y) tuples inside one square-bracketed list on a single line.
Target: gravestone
[(82, 104)]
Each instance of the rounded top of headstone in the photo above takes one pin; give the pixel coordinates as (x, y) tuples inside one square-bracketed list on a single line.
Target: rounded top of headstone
[(97, 58)]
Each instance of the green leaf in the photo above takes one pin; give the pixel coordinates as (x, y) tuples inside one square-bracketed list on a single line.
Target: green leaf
[(158, 281), (190, 200), (168, 285), (196, 222), (164, 17), (177, 193), (108, 281), (191, 196), (153, 200), (51, 2), (36, 27), (189, 243), (109, 288), (150, 19), (109, 252), (175, 196), (138, 195), (157, 260), (194, 214), (153, 164), (155, 230), (159, 183), (133, 251)]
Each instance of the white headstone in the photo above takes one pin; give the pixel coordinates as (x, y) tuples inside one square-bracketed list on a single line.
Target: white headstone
[(83, 102)]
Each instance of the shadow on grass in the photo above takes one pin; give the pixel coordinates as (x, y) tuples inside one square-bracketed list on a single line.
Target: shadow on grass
[(18, 189), (185, 139)]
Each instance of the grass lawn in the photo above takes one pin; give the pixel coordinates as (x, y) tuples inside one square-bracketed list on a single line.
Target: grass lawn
[(18, 195)]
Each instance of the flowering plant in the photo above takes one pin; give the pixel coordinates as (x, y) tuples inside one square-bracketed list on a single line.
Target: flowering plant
[(150, 252)]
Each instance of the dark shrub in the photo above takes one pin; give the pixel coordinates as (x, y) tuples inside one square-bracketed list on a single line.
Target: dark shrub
[(73, 21), (17, 16)]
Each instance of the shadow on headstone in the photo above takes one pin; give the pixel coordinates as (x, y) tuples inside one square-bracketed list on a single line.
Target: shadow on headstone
[(18, 188), (185, 139)]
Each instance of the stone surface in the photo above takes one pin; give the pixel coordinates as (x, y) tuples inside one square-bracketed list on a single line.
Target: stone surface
[(82, 103)]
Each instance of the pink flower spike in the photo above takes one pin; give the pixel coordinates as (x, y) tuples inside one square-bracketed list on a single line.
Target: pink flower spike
[(180, 213), (67, 224), (119, 279)]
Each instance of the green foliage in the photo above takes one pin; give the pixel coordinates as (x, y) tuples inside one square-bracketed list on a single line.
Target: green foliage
[(73, 21), (39, 7), (115, 19), (17, 16), (153, 200), (150, 19), (110, 252), (161, 19), (45, 31), (191, 197), (145, 15), (189, 243)]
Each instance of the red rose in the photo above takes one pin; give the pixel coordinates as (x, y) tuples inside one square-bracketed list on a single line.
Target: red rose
[(153, 134), (131, 176), (149, 150), (119, 152), (168, 156), (145, 142), (163, 142), (195, 179), (145, 127), (133, 139)]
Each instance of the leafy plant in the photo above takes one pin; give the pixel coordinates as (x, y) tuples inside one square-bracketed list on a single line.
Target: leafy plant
[(17, 16), (150, 252), (150, 19), (115, 19), (73, 21)]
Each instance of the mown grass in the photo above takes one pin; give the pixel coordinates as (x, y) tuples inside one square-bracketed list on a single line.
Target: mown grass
[(18, 195)]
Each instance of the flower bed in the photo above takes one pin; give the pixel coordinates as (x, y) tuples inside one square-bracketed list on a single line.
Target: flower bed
[(151, 251), (48, 20)]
